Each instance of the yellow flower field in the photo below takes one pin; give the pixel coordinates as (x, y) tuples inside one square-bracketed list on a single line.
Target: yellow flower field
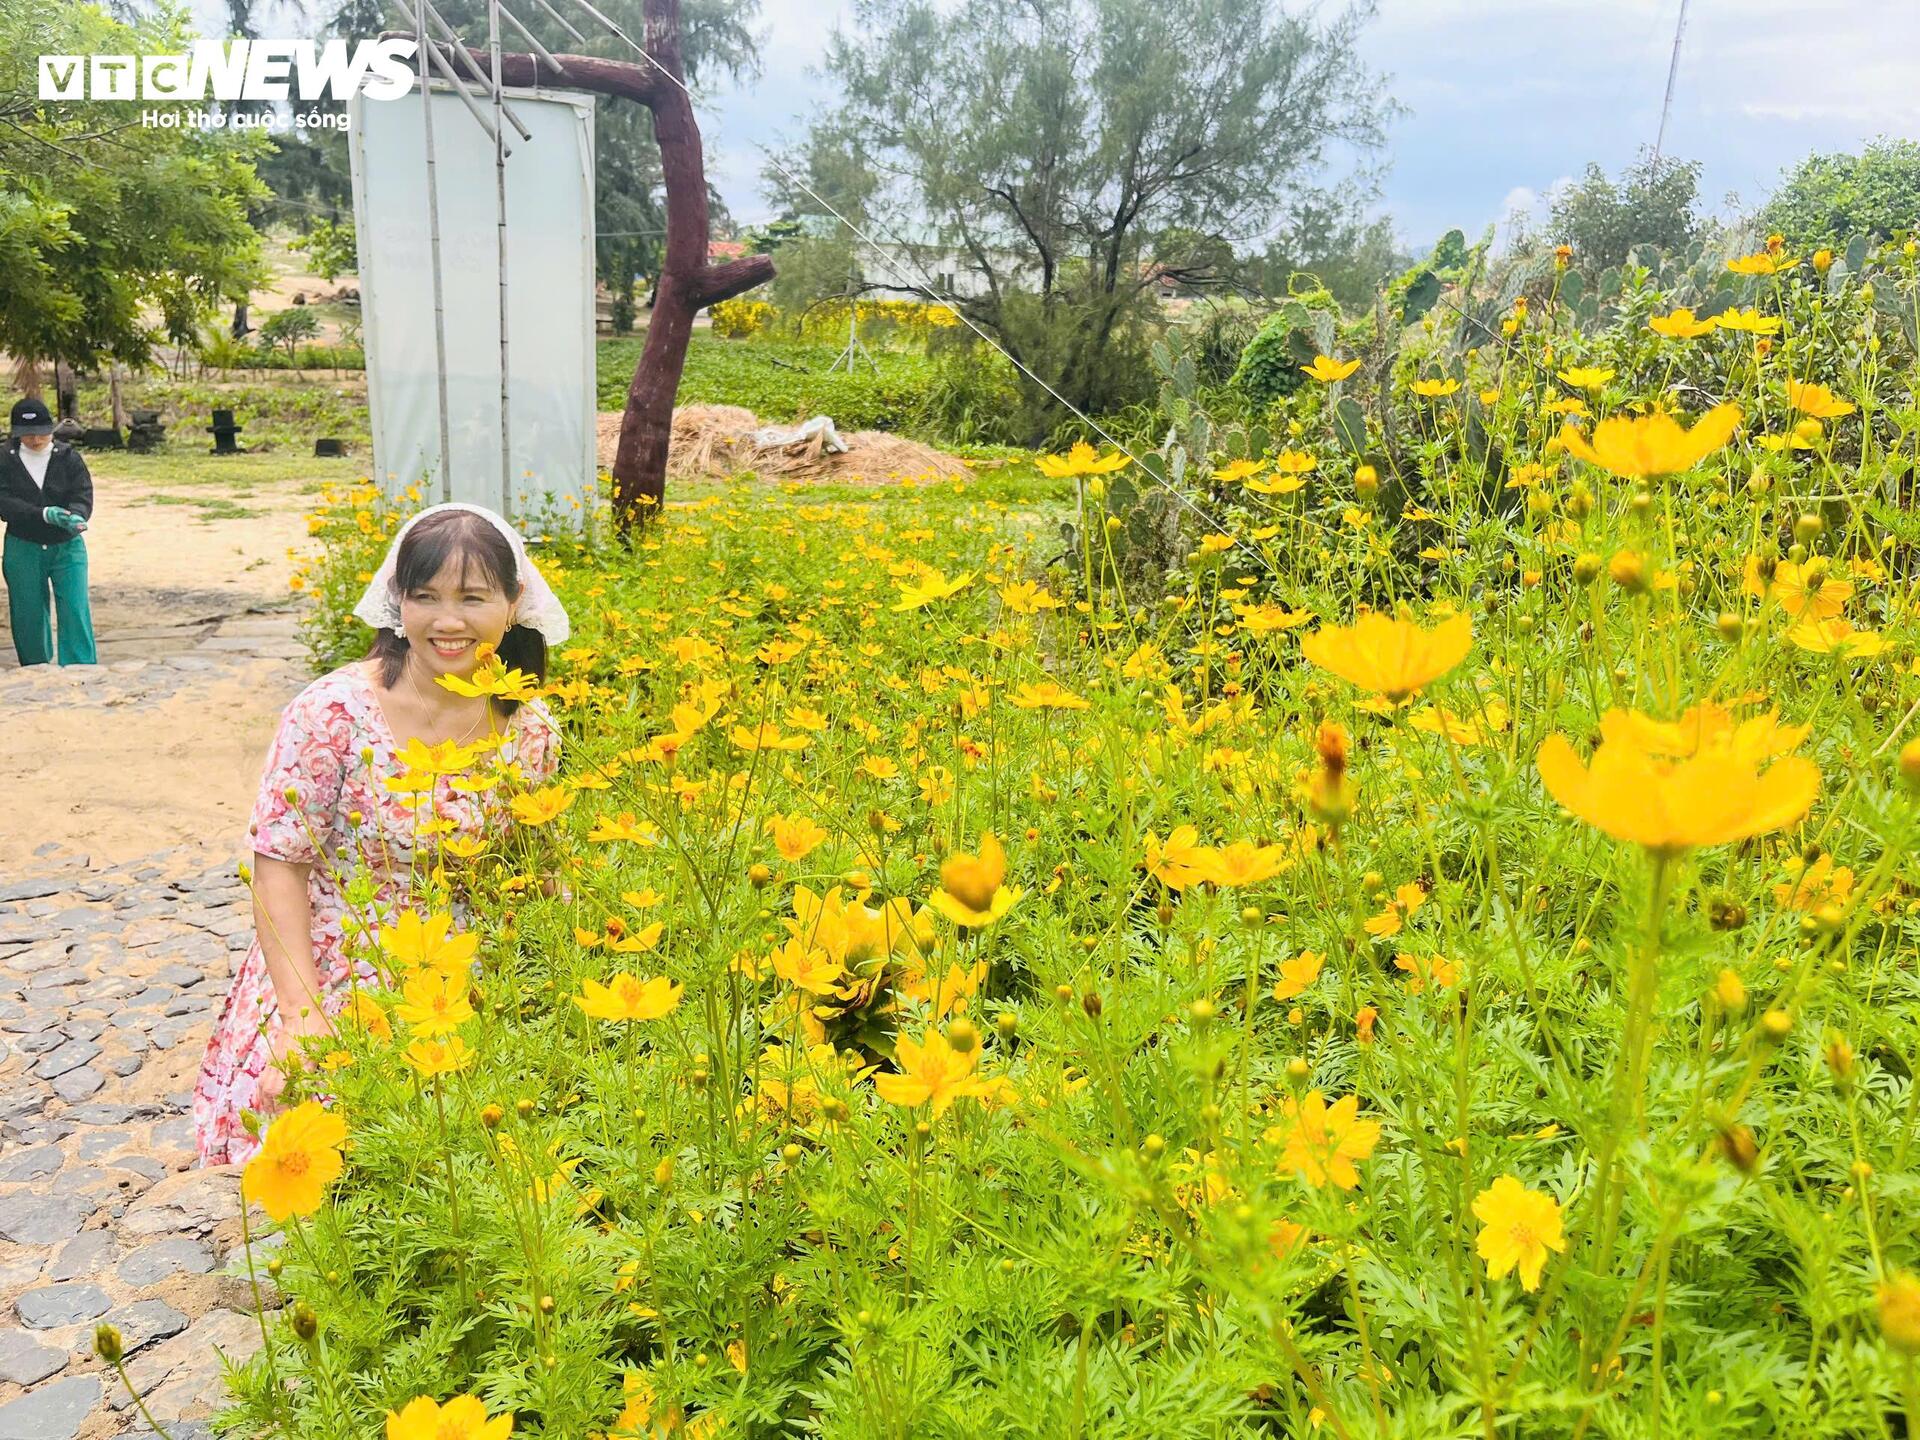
[(1438, 960)]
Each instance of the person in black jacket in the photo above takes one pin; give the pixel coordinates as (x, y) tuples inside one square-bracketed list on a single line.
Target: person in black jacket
[(46, 499)]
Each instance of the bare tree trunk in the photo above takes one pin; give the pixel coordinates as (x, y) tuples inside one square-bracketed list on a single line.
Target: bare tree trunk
[(687, 283)]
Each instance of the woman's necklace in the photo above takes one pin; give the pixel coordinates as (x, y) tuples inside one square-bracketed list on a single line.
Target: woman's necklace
[(427, 709)]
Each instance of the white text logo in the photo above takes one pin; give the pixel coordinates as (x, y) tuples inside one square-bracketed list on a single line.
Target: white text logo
[(236, 70)]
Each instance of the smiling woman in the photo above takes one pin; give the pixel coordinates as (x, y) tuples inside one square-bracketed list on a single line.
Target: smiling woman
[(357, 787)]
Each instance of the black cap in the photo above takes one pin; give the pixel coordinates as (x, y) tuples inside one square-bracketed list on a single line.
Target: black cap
[(31, 417)]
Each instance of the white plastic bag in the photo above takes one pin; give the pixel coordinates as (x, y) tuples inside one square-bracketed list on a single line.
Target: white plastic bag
[(775, 437)]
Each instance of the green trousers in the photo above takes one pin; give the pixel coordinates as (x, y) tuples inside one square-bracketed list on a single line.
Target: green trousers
[(32, 572)]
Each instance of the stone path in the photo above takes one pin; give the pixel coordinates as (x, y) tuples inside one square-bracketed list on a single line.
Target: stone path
[(109, 982), (144, 667), (111, 975)]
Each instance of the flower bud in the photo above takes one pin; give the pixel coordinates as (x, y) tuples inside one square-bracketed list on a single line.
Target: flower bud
[(305, 1323), (759, 876), (1899, 1299), (1736, 1146), (1776, 1025), (1586, 567), (791, 1153), (491, 1116), (1090, 1002), (962, 1038), (523, 1107), (1153, 1147), (1910, 765), (1730, 992), (1366, 482), (1629, 571), (107, 1343), (1202, 1010), (1007, 1023), (1808, 527)]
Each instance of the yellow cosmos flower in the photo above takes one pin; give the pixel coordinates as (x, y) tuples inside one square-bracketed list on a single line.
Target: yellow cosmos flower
[(1836, 636), (1179, 860), (932, 1073), (1390, 657), (1518, 1227), (1650, 445), (972, 887), (461, 1418), (1424, 970), (1238, 470), (1281, 482), (807, 967), (1703, 728), (1323, 1141), (1714, 797), (1297, 974), (446, 758), (1434, 389), (1748, 321), (297, 1160), (1081, 460), (1242, 863), (1803, 591), (627, 997), (363, 1010), (1046, 696), (1326, 369), (542, 806), (435, 1003), (766, 737), (1817, 401), (446, 1056), (932, 586), (795, 836), (1762, 262), (494, 677), (1586, 377), (413, 942), (625, 826), (1680, 325), (1028, 597)]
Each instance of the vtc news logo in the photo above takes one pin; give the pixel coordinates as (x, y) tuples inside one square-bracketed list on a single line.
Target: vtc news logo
[(236, 70)]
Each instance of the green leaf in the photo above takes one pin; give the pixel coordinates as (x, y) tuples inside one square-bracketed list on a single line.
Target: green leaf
[(1420, 296)]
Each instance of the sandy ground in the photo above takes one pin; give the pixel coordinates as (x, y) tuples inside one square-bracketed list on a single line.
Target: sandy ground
[(118, 762)]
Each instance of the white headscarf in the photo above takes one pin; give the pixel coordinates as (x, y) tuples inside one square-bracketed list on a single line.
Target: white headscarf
[(538, 607)]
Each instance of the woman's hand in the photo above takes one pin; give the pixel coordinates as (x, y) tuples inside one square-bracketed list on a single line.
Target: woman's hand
[(283, 1049)]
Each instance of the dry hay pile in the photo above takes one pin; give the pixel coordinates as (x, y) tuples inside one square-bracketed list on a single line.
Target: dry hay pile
[(715, 442)]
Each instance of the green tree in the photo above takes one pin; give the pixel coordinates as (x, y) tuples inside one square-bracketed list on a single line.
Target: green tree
[(114, 235), (1049, 141), (1651, 203), (1351, 256), (629, 192), (1828, 199)]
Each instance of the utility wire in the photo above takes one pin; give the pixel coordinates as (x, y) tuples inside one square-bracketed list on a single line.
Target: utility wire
[(922, 286)]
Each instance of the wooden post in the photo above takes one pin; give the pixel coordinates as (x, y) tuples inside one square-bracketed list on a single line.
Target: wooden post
[(687, 283)]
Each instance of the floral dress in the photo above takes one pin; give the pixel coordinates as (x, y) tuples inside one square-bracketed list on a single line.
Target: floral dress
[(357, 824)]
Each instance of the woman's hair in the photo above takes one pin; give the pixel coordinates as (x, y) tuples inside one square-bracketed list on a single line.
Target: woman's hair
[(424, 553)]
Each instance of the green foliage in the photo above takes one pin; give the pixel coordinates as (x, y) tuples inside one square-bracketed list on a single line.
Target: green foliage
[(783, 381), (1829, 199), (112, 237), (1013, 147), (286, 329), (1604, 219), (1301, 328), (331, 249)]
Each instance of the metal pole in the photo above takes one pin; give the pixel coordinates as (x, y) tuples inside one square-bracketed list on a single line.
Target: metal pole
[(433, 250), (500, 251), (1673, 70), (533, 40)]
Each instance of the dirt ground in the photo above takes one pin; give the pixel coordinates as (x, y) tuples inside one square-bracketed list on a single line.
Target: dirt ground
[(162, 743)]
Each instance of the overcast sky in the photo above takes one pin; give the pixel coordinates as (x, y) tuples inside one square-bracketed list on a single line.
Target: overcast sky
[(1505, 98), (1509, 97)]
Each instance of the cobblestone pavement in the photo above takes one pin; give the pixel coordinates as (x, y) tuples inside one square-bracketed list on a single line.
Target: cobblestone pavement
[(110, 978), (109, 982), (144, 667)]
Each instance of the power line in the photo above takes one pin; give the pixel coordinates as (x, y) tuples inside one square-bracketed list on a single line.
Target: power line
[(924, 287)]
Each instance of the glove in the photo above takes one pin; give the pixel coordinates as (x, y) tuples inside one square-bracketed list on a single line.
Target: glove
[(65, 519)]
